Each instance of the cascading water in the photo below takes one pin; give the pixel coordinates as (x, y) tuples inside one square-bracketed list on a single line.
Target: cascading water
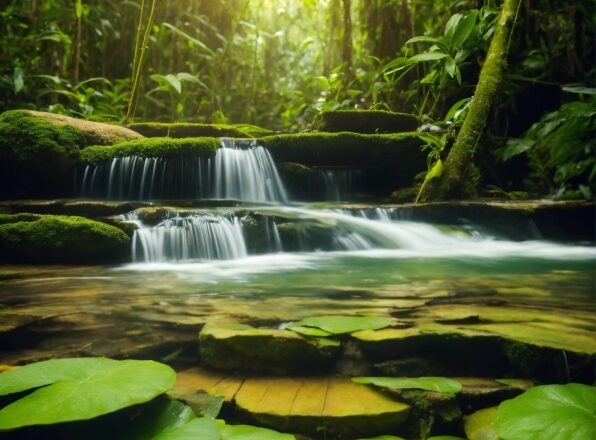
[(241, 170)]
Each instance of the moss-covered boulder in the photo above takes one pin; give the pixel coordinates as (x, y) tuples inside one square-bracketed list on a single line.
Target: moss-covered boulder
[(38, 151), (237, 347), (153, 147), (185, 130), (368, 121), (62, 239), (83, 208)]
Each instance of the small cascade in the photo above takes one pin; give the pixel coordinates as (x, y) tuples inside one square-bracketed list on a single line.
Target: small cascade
[(244, 170), (190, 238), (240, 170), (339, 184)]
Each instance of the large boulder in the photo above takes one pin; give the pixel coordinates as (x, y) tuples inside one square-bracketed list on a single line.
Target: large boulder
[(39, 150), (62, 240), (368, 121)]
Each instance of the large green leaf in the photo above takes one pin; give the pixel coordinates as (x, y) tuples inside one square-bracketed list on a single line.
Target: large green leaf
[(464, 29), (439, 384), (80, 389), (198, 429), (159, 416), (340, 324), (554, 412), (383, 437), (246, 432)]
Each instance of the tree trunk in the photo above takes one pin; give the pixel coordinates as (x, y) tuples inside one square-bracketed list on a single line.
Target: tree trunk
[(347, 40), (462, 154)]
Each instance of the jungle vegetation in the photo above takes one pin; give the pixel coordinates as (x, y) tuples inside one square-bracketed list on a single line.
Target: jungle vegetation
[(280, 64)]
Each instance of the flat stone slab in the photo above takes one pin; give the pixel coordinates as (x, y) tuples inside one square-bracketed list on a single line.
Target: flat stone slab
[(335, 406), (237, 347)]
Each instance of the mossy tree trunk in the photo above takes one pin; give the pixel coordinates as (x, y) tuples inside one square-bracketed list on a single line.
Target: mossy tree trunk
[(461, 156), (347, 45)]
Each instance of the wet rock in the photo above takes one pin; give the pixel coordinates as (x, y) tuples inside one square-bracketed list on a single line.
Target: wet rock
[(321, 407), (83, 208), (236, 347), (368, 121)]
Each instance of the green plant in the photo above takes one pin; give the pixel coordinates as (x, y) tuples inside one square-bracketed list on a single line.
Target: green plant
[(438, 384), (79, 389), (561, 150), (556, 412)]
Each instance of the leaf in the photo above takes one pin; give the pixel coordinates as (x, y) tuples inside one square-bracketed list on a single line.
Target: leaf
[(159, 416), (174, 82), (383, 437), (423, 39), (438, 384), (18, 80), (197, 429), (456, 109), (445, 437), (464, 29), (554, 412), (344, 324), (188, 38), (427, 56), (308, 331), (80, 389), (246, 432), (436, 170), (580, 90), (450, 66)]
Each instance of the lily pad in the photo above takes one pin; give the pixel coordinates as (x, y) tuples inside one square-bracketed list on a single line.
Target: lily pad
[(337, 325), (80, 389), (438, 384), (554, 412)]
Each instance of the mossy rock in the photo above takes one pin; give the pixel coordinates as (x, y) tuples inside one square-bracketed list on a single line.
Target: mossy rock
[(368, 121), (82, 208), (62, 239), (235, 347), (405, 195), (401, 151), (38, 151), (322, 407), (185, 130), (153, 147), (20, 217)]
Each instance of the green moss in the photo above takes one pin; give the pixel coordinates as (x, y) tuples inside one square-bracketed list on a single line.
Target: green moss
[(21, 217), (62, 239), (183, 130), (348, 149), (154, 147), (368, 121), (36, 155)]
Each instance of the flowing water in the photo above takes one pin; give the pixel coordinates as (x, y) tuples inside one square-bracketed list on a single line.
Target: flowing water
[(277, 262)]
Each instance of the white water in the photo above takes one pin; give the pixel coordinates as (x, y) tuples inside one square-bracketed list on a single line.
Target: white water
[(246, 171), (241, 170), (223, 237)]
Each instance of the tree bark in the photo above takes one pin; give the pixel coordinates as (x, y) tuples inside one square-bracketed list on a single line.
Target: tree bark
[(461, 155), (347, 46)]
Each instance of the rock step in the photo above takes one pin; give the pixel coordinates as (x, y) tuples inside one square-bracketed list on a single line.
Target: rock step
[(182, 130), (368, 121), (333, 407)]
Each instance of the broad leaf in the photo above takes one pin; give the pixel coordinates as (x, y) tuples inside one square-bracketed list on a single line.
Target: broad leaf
[(427, 56), (464, 29), (159, 416), (438, 384), (343, 324), (197, 429), (423, 39), (246, 432), (436, 170), (554, 412), (383, 437), (174, 81), (80, 389)]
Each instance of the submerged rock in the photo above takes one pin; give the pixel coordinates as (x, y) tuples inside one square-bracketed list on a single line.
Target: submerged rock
[(62, 239), (368, 121), (236, 347)]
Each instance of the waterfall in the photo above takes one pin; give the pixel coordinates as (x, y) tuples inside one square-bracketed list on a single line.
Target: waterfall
[(190, 238), (244, 170), (241, 170), (339, 184)]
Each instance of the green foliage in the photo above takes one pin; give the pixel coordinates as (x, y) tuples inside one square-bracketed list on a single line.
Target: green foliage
[(198, 428), (561, 150), (79, 389), (247, 432), (335, 325), (154, 147), (62, 239), (556, 412), (438, 384)]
